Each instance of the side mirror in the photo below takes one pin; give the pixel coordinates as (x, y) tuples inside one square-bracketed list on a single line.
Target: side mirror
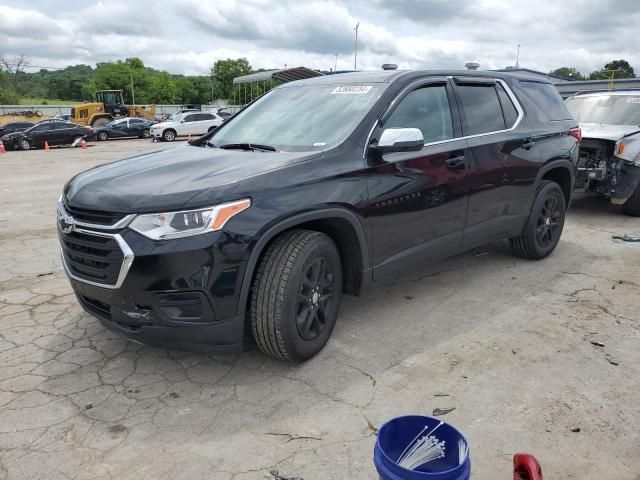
[(400, 140)]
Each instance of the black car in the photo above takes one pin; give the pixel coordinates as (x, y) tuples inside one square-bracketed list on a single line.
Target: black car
[(124, 128), (12, 127), (52, 132), (319, 188)]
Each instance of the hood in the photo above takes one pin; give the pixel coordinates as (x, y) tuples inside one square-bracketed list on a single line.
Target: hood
[(164, 180), (602, 131), (12, 135)]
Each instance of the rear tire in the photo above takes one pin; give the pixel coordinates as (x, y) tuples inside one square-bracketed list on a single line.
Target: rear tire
[(102, 136), (168, 135), (544, 226), (632, 205), (295, 296)]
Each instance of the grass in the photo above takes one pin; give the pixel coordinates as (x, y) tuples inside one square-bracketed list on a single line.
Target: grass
[(45, 101)]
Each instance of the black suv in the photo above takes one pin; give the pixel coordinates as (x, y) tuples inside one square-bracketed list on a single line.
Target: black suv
[(320, 187)]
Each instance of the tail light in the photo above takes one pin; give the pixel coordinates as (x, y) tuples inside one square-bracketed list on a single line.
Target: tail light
[(576, 133)]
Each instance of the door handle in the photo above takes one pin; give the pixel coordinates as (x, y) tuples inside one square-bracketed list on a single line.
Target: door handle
[(456, 163), (528, 144)]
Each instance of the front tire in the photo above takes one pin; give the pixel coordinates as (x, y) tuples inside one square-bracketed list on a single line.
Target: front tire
[(102, 136), (544, 227), (168, 135), (632, 205), (25, 144), (146, 133), (295, 296)]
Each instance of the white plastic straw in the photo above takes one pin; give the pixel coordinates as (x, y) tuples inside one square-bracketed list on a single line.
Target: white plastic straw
[(422, 450)]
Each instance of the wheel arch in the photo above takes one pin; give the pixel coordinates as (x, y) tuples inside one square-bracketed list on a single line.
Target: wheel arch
[(560, 171), (340, 224)]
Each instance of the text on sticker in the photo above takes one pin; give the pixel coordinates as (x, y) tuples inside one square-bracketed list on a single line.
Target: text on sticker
[(351, 90), (633, 100)]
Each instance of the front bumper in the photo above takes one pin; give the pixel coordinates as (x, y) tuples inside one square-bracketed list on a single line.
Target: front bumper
[(179, 294)]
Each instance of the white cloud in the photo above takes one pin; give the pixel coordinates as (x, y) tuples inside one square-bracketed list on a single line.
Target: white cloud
[(187, 36)]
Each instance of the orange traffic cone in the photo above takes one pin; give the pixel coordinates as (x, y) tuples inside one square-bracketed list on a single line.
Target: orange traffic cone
[(46, 145), (2, 149), (84, 144)]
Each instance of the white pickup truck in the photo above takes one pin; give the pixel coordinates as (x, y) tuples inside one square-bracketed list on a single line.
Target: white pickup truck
[(186, 123)]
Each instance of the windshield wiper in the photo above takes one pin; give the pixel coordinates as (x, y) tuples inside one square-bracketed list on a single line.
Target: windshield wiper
[(248, 146)]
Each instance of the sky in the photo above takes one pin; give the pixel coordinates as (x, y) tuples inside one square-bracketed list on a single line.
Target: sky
[(188, 36)]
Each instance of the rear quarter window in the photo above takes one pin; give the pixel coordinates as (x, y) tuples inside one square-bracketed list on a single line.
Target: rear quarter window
[(546, 101)]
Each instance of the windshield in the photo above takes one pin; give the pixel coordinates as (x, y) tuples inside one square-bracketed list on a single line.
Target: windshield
[(301, 118), (608, 109)]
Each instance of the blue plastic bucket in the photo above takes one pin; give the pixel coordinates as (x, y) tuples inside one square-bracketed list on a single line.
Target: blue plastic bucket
[(397, 433)]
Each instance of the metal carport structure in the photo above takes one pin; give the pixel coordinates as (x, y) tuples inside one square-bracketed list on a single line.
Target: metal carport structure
[(255, 84)]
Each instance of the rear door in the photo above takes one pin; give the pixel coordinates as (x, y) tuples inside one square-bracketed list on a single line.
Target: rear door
[(204, 122), (417, 199), (490, 116)]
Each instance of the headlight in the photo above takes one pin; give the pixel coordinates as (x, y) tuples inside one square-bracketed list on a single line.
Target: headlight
[(164, 226)]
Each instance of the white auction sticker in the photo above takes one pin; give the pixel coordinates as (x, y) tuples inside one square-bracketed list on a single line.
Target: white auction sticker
[(633, 100), (351, 90)]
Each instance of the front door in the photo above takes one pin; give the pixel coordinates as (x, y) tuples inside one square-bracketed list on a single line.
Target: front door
[(417, 199)]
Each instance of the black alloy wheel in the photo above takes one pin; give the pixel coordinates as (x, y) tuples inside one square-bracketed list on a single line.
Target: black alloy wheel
[(315, 299), (543, 229), (550, 220)]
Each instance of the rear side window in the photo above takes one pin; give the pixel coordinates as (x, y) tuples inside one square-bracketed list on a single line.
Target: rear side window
[(482, 110), (547, 100), (206, 116), (427, 109), (508, 108)]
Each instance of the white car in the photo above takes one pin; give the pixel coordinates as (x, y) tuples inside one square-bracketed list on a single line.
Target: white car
[(186, 123)]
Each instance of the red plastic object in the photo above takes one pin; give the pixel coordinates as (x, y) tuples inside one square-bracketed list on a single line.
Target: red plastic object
[(526, 467)]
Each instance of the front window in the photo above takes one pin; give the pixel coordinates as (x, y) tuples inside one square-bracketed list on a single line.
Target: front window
[(607, 109), (301, 118)]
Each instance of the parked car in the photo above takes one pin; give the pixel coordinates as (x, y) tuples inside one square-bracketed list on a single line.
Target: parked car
[(54, 133), (125, 127), (187, 123), (11, 127), (609, 163), (322, 187)]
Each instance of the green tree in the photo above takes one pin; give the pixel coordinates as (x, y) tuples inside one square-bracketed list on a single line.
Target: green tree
[(224, 71), (162, 88), (617, 68), (570, 73), (7, 94), (119, 76)]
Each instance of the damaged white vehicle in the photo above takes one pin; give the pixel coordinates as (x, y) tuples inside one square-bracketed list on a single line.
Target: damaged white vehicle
[(609, 162)]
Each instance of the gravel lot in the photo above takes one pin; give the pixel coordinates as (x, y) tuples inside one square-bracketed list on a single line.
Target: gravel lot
[(506, 342)]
